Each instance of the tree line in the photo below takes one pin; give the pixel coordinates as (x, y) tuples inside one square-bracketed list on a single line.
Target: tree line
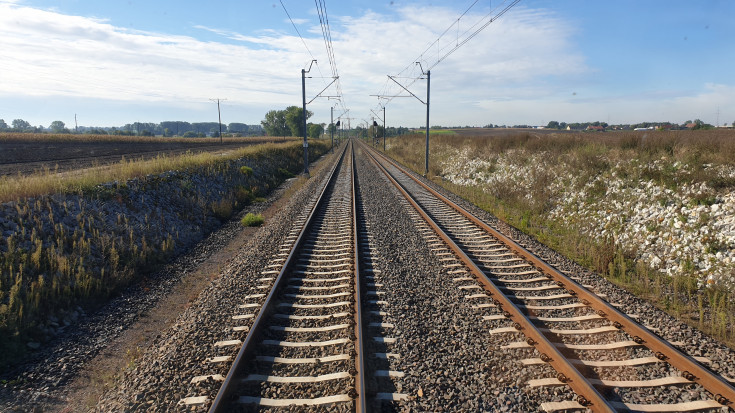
[(166, 128), (290, 122)]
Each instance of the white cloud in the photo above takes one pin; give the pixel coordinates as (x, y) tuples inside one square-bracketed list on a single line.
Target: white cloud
[(47, 53), (523, 68), (297, 21)]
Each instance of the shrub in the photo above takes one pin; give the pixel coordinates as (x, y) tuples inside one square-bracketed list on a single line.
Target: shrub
[(246, 170), (223, 209), (252, 220), (285, 173), (244, 196)]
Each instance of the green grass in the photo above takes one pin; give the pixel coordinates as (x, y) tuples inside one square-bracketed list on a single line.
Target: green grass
[(252, 220), (441, 132)]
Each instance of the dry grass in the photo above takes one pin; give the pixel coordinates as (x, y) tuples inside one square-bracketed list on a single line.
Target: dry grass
[(710, 309), (13, 188)]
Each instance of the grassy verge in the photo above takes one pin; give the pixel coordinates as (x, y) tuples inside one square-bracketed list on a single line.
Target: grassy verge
[(527, 196), (48, 182), (75, 243)]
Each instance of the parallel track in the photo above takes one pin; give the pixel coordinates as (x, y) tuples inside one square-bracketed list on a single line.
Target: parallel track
[(596, 350)]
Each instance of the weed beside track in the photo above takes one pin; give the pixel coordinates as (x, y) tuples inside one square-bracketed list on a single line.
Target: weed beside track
[(79, 242), (644, 209)]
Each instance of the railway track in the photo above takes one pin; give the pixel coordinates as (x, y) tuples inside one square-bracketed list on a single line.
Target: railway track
[(306, 348), (573, 336)]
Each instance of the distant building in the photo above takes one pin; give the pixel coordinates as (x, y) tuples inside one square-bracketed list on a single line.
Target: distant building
[(595, 128), (690, 125)]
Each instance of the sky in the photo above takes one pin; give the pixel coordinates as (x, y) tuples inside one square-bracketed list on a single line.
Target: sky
[(114, 62)]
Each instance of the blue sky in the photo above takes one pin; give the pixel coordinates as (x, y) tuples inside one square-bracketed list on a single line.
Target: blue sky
[(115, 62)]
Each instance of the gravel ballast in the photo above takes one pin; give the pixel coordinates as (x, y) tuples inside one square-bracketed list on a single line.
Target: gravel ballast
[(447, 359)]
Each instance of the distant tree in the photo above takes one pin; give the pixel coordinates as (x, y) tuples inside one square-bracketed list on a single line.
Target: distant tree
[(167, 132), (275, 123), (1, 122), (295, 120), (214, 132), (176, 127), (190, 134), (315, 130), (237, 128), (553, 125), (20, 124), (146, 132), (58, 126), (3, 125), (204, 127)]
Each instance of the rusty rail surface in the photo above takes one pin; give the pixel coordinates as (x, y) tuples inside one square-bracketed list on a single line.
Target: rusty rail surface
[(723, 392), (223, 400)]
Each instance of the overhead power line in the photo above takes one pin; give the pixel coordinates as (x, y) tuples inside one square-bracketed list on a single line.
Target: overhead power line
[(451, 44), (297, 30), (329, 46)]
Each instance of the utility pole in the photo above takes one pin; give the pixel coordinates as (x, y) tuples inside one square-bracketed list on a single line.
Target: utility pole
[(383, 128), (331, 126), (76, 125), (428, 89), (303, 113), (219, 116)]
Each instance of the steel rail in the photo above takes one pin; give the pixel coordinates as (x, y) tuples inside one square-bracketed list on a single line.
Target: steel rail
[(723, 392), (360, 382), (222, 400), (588, 394)]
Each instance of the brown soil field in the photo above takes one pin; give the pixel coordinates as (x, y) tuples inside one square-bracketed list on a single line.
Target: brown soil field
[(506, 131), (37, 153)]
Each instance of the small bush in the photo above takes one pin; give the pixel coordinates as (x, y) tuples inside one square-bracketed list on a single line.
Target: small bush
[(246, 170), (244, 196), (285, 173), (223, 209), (252, 220)]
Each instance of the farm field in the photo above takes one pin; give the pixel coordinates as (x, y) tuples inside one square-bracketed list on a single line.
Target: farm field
[(28, 153)]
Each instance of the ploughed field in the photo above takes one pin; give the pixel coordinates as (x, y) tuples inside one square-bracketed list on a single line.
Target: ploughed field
[(33, 153)]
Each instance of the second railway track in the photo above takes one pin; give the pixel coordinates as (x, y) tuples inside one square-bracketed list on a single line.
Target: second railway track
[(602, 354)]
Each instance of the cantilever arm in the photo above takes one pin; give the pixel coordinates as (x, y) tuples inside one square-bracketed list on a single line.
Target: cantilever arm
[(404, 88), (320, 93)]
